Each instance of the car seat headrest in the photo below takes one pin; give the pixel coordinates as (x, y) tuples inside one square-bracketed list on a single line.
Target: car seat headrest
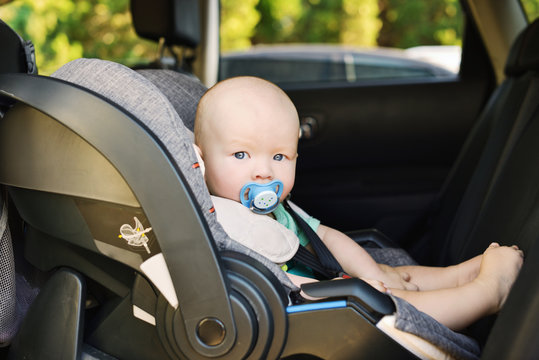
[(17, 54), (524, 54), (177, 21)]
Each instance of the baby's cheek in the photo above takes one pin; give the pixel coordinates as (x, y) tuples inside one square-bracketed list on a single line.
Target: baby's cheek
[(214, 182), (228, 188)]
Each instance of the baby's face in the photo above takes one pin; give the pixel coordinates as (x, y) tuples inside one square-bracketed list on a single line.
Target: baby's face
[(250, 142)]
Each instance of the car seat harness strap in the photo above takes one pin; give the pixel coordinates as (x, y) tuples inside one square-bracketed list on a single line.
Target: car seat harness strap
[(324, 263)]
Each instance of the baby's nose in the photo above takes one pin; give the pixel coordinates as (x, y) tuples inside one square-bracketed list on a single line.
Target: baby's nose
[(263, 171)]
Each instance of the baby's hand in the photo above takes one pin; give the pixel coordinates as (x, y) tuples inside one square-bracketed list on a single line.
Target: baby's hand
[(395, 279), (378, 285)]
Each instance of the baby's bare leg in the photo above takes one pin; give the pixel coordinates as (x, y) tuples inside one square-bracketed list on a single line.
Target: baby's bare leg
[(433, 278), (461, 306)]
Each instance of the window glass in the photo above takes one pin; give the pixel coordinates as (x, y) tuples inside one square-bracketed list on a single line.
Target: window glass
[(64, 30), (345, 41), (531, 7)]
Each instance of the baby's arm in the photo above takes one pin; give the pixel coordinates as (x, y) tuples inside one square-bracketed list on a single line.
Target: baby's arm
[(356, 262)]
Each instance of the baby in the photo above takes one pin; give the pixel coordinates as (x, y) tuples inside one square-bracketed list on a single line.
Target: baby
[(246, 131)]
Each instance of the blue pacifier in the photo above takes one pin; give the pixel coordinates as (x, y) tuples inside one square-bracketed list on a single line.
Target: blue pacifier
[(261, 198)]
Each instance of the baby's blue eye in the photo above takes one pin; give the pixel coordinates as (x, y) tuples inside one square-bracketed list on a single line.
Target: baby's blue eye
[(240, 155), (278, 157)]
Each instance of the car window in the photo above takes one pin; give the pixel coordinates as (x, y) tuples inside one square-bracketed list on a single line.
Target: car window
[(531, 8), (64, 30), (340, 41)]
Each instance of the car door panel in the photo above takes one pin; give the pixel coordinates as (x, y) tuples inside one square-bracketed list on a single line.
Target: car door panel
[(379, 153)]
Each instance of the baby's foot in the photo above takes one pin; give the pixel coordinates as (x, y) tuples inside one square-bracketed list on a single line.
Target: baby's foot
[(499, 269)]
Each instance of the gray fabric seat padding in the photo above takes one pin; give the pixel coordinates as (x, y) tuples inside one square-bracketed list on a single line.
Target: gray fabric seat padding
[(390, 256), (182, 90), (8, 299), (16, 294)]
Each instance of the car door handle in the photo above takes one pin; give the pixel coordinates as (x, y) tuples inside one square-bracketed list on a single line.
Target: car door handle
[(308, 127)]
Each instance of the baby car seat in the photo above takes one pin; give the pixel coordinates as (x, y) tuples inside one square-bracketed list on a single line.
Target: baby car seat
[(101, 168)]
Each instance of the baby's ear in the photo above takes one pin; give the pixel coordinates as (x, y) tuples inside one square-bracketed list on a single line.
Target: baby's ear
[(198, 153)]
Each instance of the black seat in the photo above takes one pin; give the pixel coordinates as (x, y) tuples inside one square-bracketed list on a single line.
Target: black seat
[(509, 212), (519, 110), (172, 23), (457, 207), (501, 202)]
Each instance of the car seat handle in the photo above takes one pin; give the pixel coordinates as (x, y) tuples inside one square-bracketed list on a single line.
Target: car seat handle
[(166, 198), (374, 304)]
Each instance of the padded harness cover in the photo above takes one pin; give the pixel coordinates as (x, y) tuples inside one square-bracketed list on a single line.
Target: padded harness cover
[(258, 232)]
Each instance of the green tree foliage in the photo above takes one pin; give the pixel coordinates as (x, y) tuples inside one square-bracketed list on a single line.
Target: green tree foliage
[(532, 9), (410, 23), (277, 22), (360, 24), (238, 21), (392, 23), (63, 30), (317, 21)]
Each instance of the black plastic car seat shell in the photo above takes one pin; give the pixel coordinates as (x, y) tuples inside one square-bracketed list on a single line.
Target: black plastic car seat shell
[(104, 135), (60, 332), (17, 57), (94, 129)]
